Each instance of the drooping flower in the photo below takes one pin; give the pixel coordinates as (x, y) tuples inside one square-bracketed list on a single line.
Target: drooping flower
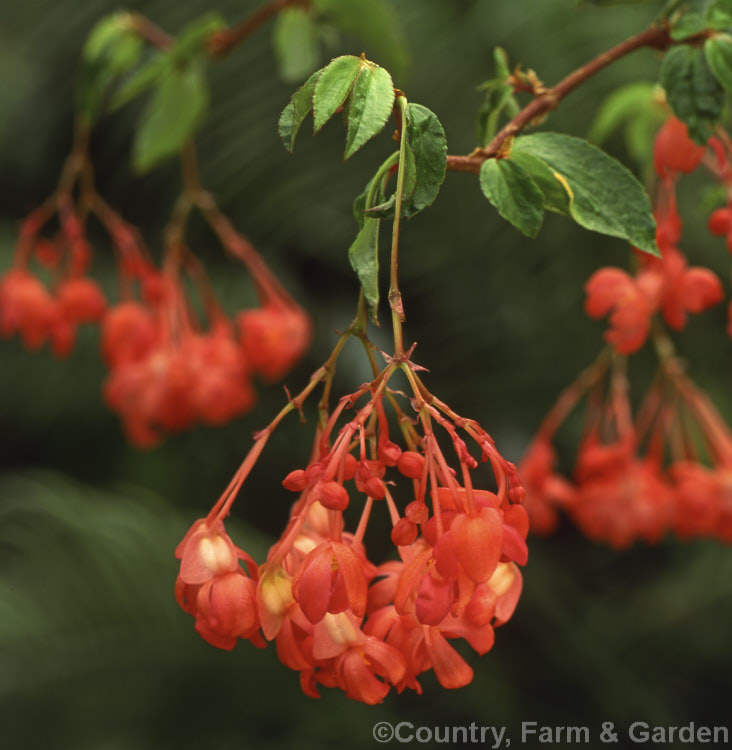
[(674, 151)]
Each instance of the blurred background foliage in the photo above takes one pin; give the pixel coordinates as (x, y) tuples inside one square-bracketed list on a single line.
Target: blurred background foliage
[(94, 652)]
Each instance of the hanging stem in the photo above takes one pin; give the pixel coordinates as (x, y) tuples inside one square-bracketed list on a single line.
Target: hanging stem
[(395, 296)]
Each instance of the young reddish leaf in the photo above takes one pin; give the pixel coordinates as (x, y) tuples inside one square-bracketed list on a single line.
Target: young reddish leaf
[(333, 86), (372, 101)]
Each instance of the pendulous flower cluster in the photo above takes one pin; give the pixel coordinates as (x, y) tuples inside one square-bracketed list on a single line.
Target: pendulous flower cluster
[(668, 468), (665, 285), (169, 365), (336, 616)]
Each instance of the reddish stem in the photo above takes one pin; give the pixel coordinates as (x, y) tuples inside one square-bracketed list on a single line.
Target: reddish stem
[(657, 37), (223, 42)]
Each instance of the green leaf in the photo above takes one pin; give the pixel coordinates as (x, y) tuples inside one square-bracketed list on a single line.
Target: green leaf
[(497, 100), (605, 196), (718, 51), (294, 114), (427, 142), (499, 96), (376, 23), (692, 91), (622, 105), (719, 15), (509, 187), (636, 109), (111, 50), (500, 60), (641, 132), (144, 78), (372, 100), (688, 25), (191, 42), (333, 86), (296, 44), (171, 116), (556, 197), (364, 257), (425, 164)]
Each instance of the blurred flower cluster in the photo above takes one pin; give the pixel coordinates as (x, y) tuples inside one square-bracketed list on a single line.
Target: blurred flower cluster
[(175, 358), (668, 467)]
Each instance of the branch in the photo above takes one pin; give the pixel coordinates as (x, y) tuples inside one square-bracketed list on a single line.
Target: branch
[(223, 42), (220, 43), (151, 33), (657, 37)]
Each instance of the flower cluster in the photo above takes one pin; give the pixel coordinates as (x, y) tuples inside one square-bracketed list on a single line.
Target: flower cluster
[(42, 313), (337, 617), (667, 469), (667, 284), (167, 369)]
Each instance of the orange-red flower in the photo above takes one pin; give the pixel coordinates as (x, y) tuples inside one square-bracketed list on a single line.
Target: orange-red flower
[(674, 151)]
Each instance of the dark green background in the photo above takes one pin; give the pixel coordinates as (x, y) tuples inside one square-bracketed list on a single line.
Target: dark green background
[(94, 653)]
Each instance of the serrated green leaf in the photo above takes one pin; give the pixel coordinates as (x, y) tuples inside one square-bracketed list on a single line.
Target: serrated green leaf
[(294, 114), (372, 100), (622, 105), (718, 51), (364, 257), (332, 88), (427, 142), (376, 23), (606, 197), (692, 91), (110, 51), (171, 116), (144, 78), (425, 164), (509, 187), (556, 197), (296, 44)]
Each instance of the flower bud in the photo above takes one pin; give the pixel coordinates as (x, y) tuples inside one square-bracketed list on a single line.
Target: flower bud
[(295, 481), (389, 453), (411, 464), (375, 488), (404, 532), (333, 496), (719, 222)]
